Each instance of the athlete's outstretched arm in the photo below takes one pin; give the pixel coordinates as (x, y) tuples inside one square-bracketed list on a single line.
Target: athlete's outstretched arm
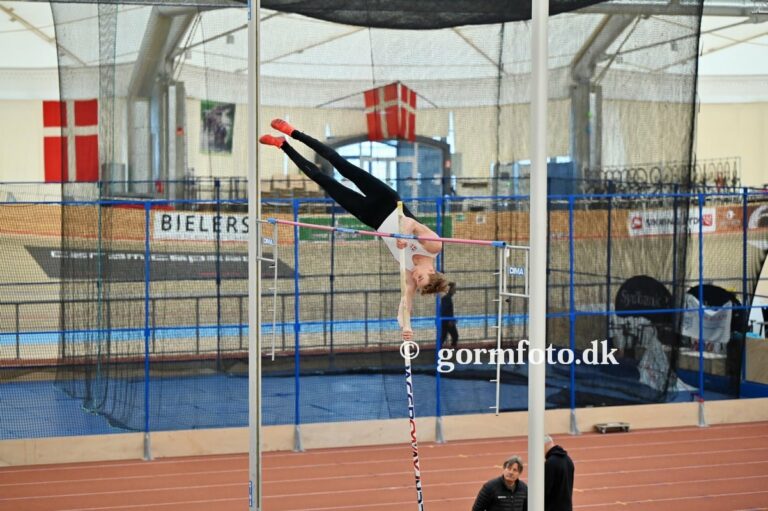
[(406, 303), (411, 226)]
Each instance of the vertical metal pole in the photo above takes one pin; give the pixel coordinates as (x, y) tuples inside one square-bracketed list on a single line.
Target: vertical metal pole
[(744, 294), (240, 323), (439, 438), (197, 325), (744, 213), (485, 316), (153, 323), (325, 327), (217, 234), (609, 248), (254, 265), (276, 259), (365, 315), (572, 312), (702, 419), (147, 254), (331, 280), (499, 320), (538, 242), (297, 444), (675, 232), (283, 324), (18, 333)]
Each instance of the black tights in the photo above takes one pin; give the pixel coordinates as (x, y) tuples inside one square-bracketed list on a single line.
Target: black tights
[(371, 207)]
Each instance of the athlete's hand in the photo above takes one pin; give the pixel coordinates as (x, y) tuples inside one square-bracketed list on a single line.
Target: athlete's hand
[(402, 243), (407, 334)]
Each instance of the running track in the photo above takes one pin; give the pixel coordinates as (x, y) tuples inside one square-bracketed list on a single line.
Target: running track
[(720, 468)]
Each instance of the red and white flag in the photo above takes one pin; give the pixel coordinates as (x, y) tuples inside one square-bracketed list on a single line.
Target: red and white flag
[(390, 112), (71, 140)]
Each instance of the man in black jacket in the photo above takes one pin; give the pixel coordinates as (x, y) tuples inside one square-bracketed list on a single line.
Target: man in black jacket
[(506, 492), (558, 477), (448, 324)]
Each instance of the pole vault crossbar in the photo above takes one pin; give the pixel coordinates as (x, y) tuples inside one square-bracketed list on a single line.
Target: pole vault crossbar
[(488, 243)]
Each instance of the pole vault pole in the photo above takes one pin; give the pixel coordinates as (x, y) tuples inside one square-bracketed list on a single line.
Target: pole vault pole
[(409, 350)]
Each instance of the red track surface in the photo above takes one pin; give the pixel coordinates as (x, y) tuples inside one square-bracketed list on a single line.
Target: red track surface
[(720, 468)]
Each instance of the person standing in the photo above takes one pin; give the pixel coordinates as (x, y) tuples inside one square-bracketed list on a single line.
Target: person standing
[(506, 492), (448, 323), (558, 477)]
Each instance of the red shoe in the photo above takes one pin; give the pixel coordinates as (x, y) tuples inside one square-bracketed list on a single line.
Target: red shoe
[(272, 140), (282, 126)]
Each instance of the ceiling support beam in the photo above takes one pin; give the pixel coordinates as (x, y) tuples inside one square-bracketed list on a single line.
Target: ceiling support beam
[(745, 8), (586, 125)]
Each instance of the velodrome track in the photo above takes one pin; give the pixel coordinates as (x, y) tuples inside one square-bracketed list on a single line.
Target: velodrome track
[(720, 468)]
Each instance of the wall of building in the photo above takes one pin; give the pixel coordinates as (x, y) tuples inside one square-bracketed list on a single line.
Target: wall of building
[(736, 129), (723, 130)]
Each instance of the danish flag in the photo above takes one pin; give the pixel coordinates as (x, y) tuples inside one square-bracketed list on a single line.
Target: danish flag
[(71, 140), (390, 112)]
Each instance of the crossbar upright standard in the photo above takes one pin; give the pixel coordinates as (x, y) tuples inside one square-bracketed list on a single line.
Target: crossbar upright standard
[(505, 272)]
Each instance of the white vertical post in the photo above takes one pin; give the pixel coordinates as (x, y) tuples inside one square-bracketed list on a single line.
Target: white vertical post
[(499, 323), (275, 253), (254, 265), (538, 242)]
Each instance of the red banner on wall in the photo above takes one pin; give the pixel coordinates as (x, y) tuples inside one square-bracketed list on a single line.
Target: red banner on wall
[(71, 140), (390, 112)]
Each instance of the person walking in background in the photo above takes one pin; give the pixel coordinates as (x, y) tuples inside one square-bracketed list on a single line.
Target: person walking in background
[(558, 477), (448, 323), (506, 492)]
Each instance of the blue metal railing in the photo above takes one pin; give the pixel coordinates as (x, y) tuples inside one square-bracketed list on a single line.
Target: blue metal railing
[(571, 311)]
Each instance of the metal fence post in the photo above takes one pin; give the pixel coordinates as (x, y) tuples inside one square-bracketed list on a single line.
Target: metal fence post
[(702, 419), (439, 438), (297, 446), (147, 268), (572, 313)]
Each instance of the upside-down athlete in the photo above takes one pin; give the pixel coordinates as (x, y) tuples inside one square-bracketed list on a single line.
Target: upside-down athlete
[(376, 207)]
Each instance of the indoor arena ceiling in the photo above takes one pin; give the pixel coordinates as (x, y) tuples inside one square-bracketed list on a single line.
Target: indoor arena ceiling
[(730, 45)]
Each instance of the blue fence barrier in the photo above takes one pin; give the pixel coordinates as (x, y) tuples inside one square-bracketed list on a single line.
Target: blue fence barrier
[(446, 395)]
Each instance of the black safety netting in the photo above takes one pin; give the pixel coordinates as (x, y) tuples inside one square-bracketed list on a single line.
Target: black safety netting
[(171, 86), (154, 277)]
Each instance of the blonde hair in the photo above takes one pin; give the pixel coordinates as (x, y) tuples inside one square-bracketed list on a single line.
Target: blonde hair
[(437, 283)]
